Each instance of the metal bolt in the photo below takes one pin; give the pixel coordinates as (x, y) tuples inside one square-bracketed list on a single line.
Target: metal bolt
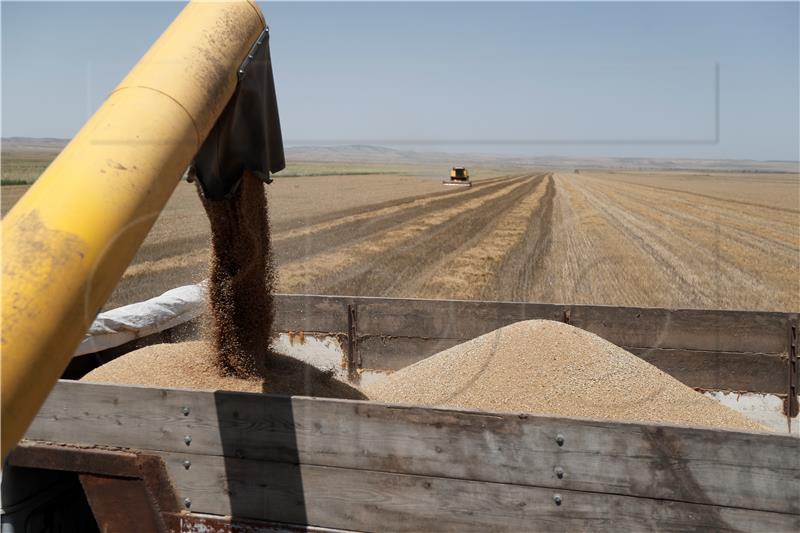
[(559, 472), (186, 411), (187, 463), (560, 439), (557, 499), (187, 502), (187, 439)]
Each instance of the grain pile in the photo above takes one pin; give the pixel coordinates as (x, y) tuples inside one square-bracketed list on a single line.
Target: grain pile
[(192, 365), (545, 367), (235, 354)]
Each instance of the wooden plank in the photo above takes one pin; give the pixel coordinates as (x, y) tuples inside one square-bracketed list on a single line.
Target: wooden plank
[(689, 329), (369, 500), (696, 329), (702, 329), (327, 314), (394, 353), (749, 372), (736, 469), (444, 319), (727, 350), (713, 349), (745, 372)]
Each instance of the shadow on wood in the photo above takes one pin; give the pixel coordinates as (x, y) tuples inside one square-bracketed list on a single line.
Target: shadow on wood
[(279, 490)]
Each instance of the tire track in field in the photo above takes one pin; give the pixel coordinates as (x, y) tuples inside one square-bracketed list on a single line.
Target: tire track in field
[(421, 263), (474, 271), (179, 250), (519, 276), (363, 225), (373, 265), (298, 225), (689, 261), (592, 261), (692, 216), (691, 286), (186, 258), (793, 212), (741, 274), (779, 225)]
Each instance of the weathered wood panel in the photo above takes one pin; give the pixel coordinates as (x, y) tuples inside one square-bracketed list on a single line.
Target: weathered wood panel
[(749, 470), (731, 371), (394, 353), (705, 370), (369, 500), (712, 349), (445, 319), (694, 329), (702, 329), (709, 330), (709, 349), (311, 313)]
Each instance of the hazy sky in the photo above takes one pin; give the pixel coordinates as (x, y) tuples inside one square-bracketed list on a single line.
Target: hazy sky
[(616, 79)]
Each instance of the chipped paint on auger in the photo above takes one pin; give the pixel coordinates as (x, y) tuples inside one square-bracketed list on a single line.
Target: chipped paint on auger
[(99, 198)]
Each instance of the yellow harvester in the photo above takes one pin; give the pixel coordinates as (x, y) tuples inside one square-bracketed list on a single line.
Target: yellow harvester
[(459, 176)]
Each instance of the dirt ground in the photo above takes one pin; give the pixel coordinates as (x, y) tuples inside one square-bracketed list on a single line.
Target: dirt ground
[(674, 239)]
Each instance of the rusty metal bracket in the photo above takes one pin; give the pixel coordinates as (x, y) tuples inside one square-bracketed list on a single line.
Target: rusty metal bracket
[(791, 407), (353, 359), (201, 523), (127, 491)]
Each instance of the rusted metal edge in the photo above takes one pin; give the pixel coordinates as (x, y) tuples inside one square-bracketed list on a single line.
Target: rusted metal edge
[(81, 459), (790, 404), (121, 464), (353, 358), (122, 504), (197, 523)]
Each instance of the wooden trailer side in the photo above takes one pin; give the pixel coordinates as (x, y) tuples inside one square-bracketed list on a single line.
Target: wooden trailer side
[(747, 360), (715, 350), (367, 466)]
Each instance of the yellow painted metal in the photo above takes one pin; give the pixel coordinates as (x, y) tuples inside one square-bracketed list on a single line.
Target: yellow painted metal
[(67, 242)]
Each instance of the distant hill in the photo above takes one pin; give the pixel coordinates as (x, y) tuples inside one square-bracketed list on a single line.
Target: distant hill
[(362, 153), (30, 144), (370, 153), (367, 153)]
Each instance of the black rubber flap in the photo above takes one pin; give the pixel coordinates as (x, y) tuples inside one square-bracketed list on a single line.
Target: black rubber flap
[(247, 135)]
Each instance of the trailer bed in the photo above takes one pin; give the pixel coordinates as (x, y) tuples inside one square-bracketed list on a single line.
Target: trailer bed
[(193, 460)]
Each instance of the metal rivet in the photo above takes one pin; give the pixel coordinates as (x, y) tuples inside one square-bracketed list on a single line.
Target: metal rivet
[(187, 439), (557, 499), (560, 439), (187, 502), (186, 464), (186, 411), (559, 472)]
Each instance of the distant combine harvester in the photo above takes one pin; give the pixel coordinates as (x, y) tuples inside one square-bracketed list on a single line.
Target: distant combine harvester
[(459, 176)]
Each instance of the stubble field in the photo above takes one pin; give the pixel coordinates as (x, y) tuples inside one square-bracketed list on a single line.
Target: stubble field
[(668, 239)]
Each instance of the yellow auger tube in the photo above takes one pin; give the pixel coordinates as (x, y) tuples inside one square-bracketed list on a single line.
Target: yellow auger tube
[(70, 238)]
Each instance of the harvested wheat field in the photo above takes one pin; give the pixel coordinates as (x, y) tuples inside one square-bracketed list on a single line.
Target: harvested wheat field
[(727, 240), (659, 241), (192, 365), (552, 368)]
